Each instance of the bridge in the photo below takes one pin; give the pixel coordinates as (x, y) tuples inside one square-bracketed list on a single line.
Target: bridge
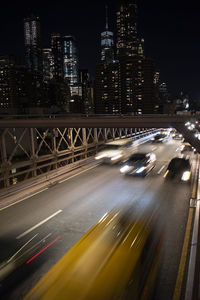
[(97, 121), (48, 166), (33, 146)]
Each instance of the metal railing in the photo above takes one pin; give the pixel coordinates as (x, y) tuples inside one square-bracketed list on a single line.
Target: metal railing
[(30, 152)]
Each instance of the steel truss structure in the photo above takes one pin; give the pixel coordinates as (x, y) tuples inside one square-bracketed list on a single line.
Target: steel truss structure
[(29, 152)]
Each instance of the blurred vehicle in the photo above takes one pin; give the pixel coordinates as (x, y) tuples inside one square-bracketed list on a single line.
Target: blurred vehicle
[(115, 151), (166, 131), (139, 164), (118, 258), (177, 136), (186, 148), (179, 168), (159, 138), (15, 267)]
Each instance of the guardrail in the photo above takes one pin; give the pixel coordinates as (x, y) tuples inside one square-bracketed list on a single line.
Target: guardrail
[(18, 171), (96, 116), (192, 267)]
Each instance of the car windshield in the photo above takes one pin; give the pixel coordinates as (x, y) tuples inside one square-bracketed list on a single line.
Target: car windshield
[(136, 157)]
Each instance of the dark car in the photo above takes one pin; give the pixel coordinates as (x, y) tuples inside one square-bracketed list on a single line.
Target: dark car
[(159, 138), (179, 168), (139, 164), (187, 149)]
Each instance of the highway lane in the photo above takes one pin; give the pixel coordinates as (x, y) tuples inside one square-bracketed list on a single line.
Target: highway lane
[(69, 209)]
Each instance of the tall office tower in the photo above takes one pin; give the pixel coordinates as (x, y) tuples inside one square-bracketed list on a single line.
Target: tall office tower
[(107, 88), (140, 48), (13, 84), (47, 64), (57, 54), (65, 60), (149, 95), (70, 56), (107, 43), (164, 94), (87, 91), (32, 39), (127, 36), (157, 77), (137, 86)]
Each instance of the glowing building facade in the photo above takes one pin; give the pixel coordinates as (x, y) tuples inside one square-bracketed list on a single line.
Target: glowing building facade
[(32, 41), (127, 37), (47, 64), (107, 43), (70, 56)]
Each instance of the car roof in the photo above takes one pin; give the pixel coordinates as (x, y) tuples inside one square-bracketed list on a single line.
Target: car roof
[(179, 158), (119, 142), (139, 154), (187, 144)]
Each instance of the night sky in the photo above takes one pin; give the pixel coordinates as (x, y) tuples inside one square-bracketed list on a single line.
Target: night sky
[(171, 30)]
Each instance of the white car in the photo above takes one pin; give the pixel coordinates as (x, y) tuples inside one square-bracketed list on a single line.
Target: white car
[(116, 151)]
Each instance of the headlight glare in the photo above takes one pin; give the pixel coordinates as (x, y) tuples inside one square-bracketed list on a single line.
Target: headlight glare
[(140, 170), (124, 169), (116, 157), (186, 176)]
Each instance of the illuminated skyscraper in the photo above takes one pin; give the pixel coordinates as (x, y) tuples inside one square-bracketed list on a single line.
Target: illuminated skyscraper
[(32, 40), (107, 88), (107, 43), (126, 84), (65, 60), (57, 54), (70, 56), (47, 63), (127, 37), (14, 85)]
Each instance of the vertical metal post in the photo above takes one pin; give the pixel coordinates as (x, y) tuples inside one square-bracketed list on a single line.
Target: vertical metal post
[(71, 142), (5, 165), (32, 150), (120, 133), (125, 132), (113, 133), (53, 132), (85, 141), (105, 134), (96, 138)]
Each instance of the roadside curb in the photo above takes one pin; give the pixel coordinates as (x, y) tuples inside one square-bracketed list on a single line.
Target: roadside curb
[(194, 243)]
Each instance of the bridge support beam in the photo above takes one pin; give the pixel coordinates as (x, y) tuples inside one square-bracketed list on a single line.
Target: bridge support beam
[(29, 152), (4, 162)]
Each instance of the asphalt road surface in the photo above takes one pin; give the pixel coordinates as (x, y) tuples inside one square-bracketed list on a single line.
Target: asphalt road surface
[(51, 222)]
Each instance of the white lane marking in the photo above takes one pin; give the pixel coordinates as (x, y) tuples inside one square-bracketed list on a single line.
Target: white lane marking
[(178, 149), (39, 224), (153, 149), (13, 256), (161, 170), (23, 199), (78, 174)]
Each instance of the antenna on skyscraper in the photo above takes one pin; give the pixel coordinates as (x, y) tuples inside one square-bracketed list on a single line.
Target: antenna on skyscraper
[(106, 17)]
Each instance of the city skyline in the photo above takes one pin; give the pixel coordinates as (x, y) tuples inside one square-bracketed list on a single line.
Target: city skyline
[(174, 48)]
